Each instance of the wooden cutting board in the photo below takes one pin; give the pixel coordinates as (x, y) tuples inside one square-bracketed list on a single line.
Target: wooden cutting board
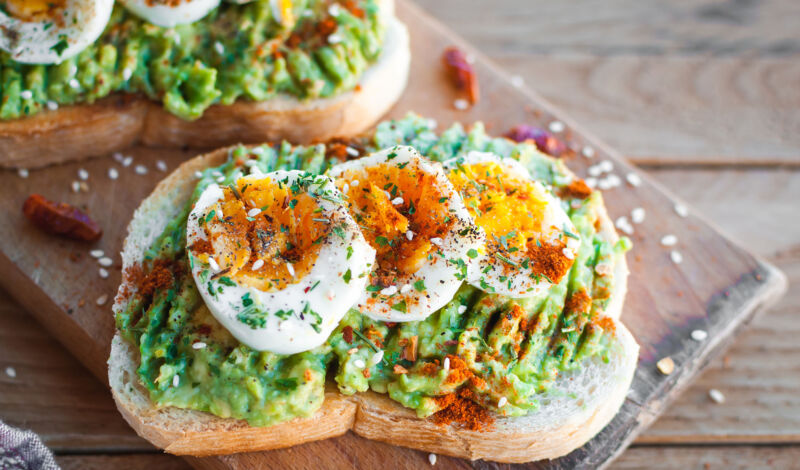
[(717, 287)]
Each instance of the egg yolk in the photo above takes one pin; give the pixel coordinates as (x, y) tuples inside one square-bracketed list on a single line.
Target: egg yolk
[(34, 10), (264, 234), (511, 209), (399, 209)]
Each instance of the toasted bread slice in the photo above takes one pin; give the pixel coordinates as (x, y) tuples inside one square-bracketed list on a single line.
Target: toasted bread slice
[(577, 407), (119, 121)]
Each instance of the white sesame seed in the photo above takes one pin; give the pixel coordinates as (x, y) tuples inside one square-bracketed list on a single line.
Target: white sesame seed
[(446, 364), (105, 261), (637, 215), (461, 104), (436, 241), (23, 173), (517, 81), (676, 256), (462, 309), (219, 47), (76, 187), (359, 363), (199, 345), (623, 224), (699, 335), (405, 289), (716, 396), (176, 380), (198, 174), (258, 264), (83, 174), (213, 263), (102, 299), (334, 9), (432, 459), (669, 240), (97, 253), (397, 201), (352, 351), (290, 268), (83, 186), (141, 170), (377, 357), (587, 152), (606, 166), (556, 126), (354, 183), (391, 290), (502, 402), (335, 38), (161, 166), (634, 179), (220, 179), (409, 235), (351, 151), (681, 210), (346, 188), (613, 181), (11, 372), (26, 94), (253, 212), (73, 83), (594, 171), (127, 73), (569, 254), (113, 173), (103, 273), (51, 105), (591, 182), (126, 162), (118, 156)]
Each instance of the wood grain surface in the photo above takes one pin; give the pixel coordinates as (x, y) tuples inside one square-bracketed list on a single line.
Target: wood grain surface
[(760, 404)]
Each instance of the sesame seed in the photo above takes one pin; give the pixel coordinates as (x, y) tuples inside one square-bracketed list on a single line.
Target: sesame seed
[(253, 212), (213, 263), (377, 357), (97, 253), (405, 289), (359, 363), (83, 186), (591, 182), (176, 380), (462, 309), (681, 210), (141, 169), (666, 365), (105, 261), (352, 351), (83, 174), (391, 290), (634, 179), (23, 173), (409, 235), (446, 364), (397, 201), (436, 241), (603, 269), (219, 47), (113, 173), (335, 38), (103, 272), (461, 104), (26, 94), (334, 9), (51, 105), (623, 224), (502, 402), (102, 299), (73, 83), (198, 174), (606, 166), (259, 263), (569, 254), (556, 126), (126, 162), (637, 215), (11, 372), (220, 179), (676, 257), (346, 188), (354, 183), (432, 459), (594, 171), (161, 166), (351, 151), (517, 81), (127, 74), (587, 152), (199, 345), (699, 335), (669, 240), (118, 156), (290, 268), (76, 187), (716, 396)]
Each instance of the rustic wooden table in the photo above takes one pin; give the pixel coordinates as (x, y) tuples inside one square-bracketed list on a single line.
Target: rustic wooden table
[(703, 95)]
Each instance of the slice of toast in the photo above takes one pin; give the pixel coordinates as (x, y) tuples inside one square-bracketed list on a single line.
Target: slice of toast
[(577, 406), (119, 121)]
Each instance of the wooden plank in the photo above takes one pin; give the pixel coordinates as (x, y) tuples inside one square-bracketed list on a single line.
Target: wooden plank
[(665, 303), (124, 461)]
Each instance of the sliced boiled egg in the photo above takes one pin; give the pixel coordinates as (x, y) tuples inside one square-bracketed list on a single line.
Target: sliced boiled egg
[(415, 220), (169, 13), (49, 31), (277, 258), (531, 242)]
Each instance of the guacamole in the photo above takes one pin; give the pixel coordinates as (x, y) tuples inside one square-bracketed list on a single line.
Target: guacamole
[(493, 349), (236, 52)]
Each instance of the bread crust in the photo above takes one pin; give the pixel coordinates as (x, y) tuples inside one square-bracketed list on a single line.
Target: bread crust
[(560, 426), (119, 121)]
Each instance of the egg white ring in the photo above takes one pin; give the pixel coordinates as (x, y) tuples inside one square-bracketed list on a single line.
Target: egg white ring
[(520, 282), (167, 16), (331, 298), (38, 42), (438, 274)]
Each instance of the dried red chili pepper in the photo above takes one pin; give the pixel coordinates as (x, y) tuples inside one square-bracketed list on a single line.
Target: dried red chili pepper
[(60, 219), (461, 72), (545, 141)]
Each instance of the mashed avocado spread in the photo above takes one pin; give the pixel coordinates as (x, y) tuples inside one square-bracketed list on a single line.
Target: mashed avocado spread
[(236, 52), (491, 349)]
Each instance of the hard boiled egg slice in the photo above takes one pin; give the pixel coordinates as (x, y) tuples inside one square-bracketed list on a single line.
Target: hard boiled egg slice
[(530, 241), (49, 31), (168, 13), (415, 220), (277, 258)]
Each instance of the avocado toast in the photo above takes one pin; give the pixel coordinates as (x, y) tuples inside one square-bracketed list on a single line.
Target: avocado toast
[(560, 367)]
